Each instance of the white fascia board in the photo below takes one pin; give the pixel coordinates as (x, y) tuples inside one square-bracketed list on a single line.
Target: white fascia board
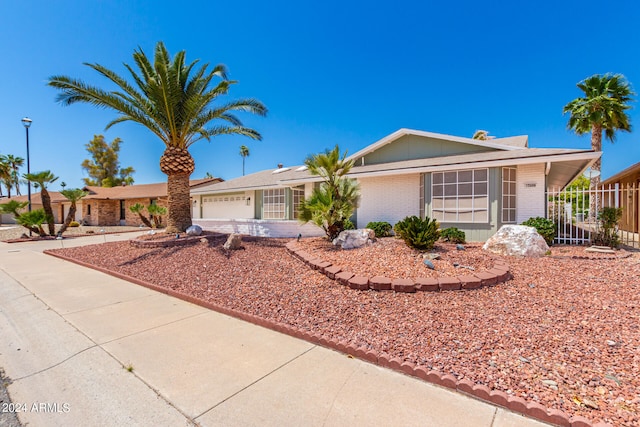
[(236, 189), (402, 132)]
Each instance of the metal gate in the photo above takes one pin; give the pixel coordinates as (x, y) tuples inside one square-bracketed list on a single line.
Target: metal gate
[(576, 212)]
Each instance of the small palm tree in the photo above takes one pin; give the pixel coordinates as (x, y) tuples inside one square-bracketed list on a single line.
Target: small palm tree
[(73, 195), (602, 108), (42, 179), (156, 212), (244, 152), (33, 221), (330, 205), (174, 100), (138, 208)]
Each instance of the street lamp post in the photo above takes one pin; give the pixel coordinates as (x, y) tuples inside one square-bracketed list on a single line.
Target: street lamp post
[(27, 123)]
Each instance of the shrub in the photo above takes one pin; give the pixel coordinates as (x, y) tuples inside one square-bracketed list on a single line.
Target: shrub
[(453, 235), (607, 234), (545, 227), (418, 233), (348, 225), (74, 224), (381, 228)]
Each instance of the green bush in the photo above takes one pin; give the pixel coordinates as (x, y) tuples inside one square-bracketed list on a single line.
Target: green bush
[(453, 235), (418, 233), (545, 227), (74, 224), (607, 234), (348, 225), (381, 228)]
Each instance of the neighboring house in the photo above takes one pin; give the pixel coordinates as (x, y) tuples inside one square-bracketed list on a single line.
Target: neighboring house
[(476, 186), (108, 206), (626, 184), (36, 203)]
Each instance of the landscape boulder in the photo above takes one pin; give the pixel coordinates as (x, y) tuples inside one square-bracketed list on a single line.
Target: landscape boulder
[(194, 230), (517, 240), (351, 239), (234, 241)]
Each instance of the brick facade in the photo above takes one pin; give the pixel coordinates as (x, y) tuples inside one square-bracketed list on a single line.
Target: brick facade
[(388, 198), (530, 192)]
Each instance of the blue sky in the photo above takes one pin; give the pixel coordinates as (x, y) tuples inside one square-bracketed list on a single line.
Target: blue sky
[(330, 72)]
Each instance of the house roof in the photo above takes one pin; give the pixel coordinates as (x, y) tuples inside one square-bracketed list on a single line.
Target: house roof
[(510, 143), (138, 191), (633, 169), (36, 199), (561, 165)]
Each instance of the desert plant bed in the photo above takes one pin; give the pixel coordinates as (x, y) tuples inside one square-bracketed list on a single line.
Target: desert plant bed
[(563, 333)]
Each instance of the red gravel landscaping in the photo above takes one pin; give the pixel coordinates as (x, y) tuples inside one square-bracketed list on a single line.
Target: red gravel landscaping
[(564, 332)]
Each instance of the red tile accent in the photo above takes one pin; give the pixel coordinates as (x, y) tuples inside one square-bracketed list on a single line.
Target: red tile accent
[(557, 417), (359, 282), (332, 271), (403, 285), (380, 283), (433, 377), (448, 381), (536, 410), (517, 404), (407, 368), (487, 278), (449, 283), (465, 385), (395, 363), (428, 284), (470, 282), (343, 277), (498, 397), (421, 372)]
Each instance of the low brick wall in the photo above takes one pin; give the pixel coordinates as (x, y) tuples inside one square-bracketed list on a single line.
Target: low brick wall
[(498, 274)]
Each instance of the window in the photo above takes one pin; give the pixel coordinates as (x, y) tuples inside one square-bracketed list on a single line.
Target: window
[(123, 212), (273, 204), (88, 209), (508, 195), (298, 196), (460, 196)]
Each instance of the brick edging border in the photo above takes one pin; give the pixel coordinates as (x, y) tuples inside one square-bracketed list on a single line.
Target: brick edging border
[(478, 391), (499, 273)]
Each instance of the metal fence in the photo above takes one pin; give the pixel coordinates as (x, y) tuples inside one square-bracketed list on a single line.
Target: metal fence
[(576, 212)]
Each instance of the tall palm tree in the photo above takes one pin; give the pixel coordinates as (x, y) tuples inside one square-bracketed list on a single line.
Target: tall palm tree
[(15, 162), (174, 100), (602, 108), (42, 179), (244, 152), (5, 175)]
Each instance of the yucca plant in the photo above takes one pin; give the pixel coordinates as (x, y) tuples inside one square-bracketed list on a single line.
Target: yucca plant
[(174, 100)]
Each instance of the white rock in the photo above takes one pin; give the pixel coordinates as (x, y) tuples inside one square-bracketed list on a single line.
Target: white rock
[(517, 240), (351, 239)]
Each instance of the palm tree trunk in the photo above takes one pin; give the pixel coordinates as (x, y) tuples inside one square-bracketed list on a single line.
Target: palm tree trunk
[(179, 203), (596, 144), (178, 165), (46, 204), (69, 218)]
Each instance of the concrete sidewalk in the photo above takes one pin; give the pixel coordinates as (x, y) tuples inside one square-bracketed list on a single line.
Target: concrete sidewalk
[(85, 348)]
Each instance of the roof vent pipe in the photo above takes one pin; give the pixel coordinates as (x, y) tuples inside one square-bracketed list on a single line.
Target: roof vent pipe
[(279, 165)]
